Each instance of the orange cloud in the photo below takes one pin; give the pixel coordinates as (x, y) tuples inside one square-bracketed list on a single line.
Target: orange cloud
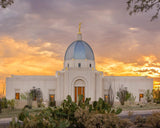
[(18, 58), (21, 58), (114, 67), (149, 68)]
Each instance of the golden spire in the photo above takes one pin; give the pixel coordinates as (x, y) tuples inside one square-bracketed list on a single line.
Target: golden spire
[(79, 28)]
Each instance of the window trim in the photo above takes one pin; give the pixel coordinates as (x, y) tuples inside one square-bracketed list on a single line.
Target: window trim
[(17, 96)]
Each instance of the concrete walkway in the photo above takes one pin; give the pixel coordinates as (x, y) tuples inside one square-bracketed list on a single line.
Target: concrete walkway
[(139, 112), (5, 120)]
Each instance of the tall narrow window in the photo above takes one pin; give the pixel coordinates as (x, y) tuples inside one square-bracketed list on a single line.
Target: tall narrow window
[(90, 65), (17, 96), (79, 65), (68, 65), (52, 100), (51, 97), (141, 96), (106, 98)]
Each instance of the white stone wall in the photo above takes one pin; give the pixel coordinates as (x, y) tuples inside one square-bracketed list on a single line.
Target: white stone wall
[(22, 84), (96, 85), (99, 86), (134, 84)]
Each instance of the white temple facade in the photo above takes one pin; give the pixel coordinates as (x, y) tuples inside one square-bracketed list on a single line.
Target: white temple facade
[(79, 76)]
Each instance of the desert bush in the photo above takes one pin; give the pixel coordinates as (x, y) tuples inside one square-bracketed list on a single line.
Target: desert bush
[(4, 103), (148, 95), (66, 115), (11, 104), (153, 120), (36, 94), (23, 96), (156, 95), (93, 119), (33, 94), (0, 105), (123, 95), (140, 121), (131, 99)]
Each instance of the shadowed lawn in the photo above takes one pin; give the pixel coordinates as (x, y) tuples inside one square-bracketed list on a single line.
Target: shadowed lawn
[(7, 113)]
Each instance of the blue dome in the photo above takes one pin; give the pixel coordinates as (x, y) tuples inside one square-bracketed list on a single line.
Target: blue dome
[(79, 50)]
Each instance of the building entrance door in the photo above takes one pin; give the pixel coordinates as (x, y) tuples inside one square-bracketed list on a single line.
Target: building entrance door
[(79, 89)]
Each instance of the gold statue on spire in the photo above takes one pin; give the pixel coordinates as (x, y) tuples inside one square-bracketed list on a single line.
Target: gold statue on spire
[(79, 28)]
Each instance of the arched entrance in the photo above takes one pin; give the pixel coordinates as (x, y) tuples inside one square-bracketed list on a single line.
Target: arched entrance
[(79, 86)]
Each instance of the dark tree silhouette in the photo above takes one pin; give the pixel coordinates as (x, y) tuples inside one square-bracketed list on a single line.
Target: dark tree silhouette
[(136, 6), (0, 105), (5, 3)]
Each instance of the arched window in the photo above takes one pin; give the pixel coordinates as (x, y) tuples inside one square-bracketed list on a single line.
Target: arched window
[(79, 65), (90, 65), (68, 65)]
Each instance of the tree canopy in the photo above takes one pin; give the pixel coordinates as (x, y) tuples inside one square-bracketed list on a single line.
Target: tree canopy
[(5, 3), (136, 6)]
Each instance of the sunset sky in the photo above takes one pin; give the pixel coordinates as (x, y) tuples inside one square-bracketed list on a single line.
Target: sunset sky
[(34, 35)]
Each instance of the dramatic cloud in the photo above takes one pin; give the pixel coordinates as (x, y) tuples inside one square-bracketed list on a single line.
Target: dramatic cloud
[(34, 35), (20, 58)]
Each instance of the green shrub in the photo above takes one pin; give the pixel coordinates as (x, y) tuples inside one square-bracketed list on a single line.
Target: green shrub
[(4, 102), (23, 114), (102, 107), (52, 104), (11, 103)]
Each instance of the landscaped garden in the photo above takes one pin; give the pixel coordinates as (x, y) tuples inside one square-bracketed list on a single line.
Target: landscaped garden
[(99, 114), (87, 114)]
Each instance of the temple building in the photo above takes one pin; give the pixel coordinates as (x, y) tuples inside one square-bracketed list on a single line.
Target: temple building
[(78, 76)]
